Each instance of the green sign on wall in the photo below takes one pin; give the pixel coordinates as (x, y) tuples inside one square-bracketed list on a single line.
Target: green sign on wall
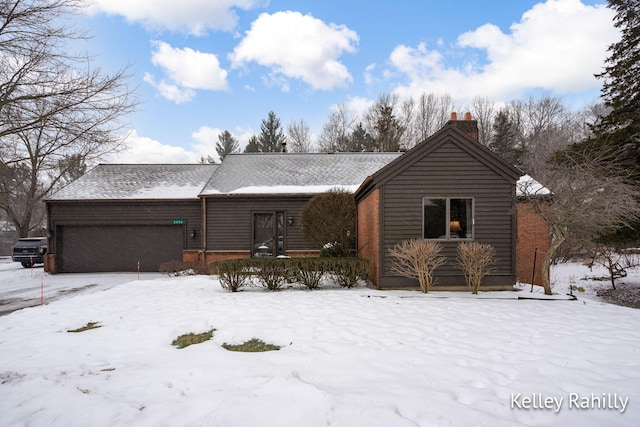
[(178, 221)]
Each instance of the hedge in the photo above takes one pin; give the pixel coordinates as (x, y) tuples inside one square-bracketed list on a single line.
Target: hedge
[(273, 273)]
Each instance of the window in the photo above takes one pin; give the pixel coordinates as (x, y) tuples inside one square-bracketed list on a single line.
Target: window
[(268, 234), (448, 218)]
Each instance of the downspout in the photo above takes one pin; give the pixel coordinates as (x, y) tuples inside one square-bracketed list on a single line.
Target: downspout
[(204, 230)]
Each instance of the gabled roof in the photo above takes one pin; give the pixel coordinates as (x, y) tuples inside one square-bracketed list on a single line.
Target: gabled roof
[(448, 134), (293, 173), (138, 182)]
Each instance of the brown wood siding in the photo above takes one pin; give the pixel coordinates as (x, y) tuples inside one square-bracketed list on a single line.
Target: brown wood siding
[(449, 171), (129, 213), (229, 219)]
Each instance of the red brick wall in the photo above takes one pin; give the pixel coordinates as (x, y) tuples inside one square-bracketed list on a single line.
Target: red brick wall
[(368, 242), (532, 235)]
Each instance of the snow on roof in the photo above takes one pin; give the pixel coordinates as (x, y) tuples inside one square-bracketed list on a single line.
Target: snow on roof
[(265, 173), (294, 173), (135, 182), (527, 186)]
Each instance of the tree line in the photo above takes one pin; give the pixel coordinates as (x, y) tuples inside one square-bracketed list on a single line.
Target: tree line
[(518, 130)]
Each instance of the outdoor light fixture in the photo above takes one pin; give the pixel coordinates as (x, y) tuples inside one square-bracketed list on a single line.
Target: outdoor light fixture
[(193, 233), (290, 220)]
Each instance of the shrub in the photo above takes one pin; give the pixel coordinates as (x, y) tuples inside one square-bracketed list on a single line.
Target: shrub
[(309, 271), (475, 260), (232, 274), (417, 259), (347, 271), (273, 273), (329, 220)]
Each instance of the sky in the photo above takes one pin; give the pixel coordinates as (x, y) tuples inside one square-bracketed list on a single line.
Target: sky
[(201, 67)]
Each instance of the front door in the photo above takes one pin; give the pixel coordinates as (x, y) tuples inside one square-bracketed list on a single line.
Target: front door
[(268, 234)]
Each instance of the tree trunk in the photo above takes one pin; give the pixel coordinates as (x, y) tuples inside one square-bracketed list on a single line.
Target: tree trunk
[(559, 236)]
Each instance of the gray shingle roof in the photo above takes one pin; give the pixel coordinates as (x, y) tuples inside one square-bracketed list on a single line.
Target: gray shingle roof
[(278, 173), (136, 182)]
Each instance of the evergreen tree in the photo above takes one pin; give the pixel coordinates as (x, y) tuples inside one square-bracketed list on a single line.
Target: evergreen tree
[(620, 128), (504, 141), (360, 139), (226, 144), (253, 146), (388, 129), (272, 138), (383, 124)]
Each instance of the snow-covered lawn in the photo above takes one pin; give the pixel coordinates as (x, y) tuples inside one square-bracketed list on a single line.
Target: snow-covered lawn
[(356, 357)]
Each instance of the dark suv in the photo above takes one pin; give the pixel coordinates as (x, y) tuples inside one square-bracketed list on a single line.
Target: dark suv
[(30, 251)]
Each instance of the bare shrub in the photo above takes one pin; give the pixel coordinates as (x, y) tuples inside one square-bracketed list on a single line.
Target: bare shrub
[(271, 272), (616, 262), (309, 271), (475, 260), (417, 259), (347, 271), (232, 274)]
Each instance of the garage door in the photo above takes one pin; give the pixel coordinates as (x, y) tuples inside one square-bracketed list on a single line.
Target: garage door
[(118, 248)]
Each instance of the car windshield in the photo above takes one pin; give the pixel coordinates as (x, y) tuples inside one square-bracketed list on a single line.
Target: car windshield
[(26, 243)]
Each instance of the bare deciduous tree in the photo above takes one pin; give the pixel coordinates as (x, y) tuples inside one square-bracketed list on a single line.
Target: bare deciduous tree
[(299, 136), (431, 113), (616, 261), (483, 110), (54, 105), (590, 196), (417, 259), (336, 132)]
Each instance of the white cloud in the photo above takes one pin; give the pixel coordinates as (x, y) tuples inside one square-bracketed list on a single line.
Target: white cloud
[(142, 149), (359, 105), (557, 46), (172, 92), (297, 46), (194, 17), (187, 70), (206, 139)]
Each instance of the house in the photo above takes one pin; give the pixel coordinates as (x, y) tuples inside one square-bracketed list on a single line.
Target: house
[(252, 203), (449, 188), (126, 217)]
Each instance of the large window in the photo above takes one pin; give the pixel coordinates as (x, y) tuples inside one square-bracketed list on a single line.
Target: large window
[(448, 218)]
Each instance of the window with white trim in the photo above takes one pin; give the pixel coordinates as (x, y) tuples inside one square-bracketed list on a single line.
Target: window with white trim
[(446, 218)]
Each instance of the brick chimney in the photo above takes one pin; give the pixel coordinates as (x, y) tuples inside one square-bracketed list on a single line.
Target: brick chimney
[(468, 125)]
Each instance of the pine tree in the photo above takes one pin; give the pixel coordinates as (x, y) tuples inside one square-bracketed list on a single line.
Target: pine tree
[(253, 146), (504, 141), (620, 128), (272, 138), (226, 144), (360, 139)]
